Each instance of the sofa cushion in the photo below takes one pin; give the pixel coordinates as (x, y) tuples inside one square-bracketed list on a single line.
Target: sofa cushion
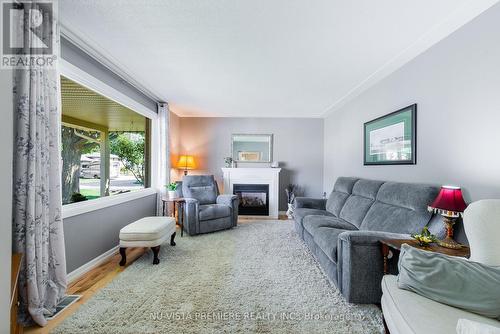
[(355, 209), (407, 312), (400, 208), (214, 211), (326, 238), (408, 195), (357, 205), (310, 223), (341, 191), (336, 201), (300, 213), (367, 188)]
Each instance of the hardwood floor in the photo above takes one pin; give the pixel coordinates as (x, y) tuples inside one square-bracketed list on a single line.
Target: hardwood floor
[(99, 277), (88, 285)]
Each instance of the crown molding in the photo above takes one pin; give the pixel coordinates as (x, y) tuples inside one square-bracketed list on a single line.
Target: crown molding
[(106, 60), (458, 18)]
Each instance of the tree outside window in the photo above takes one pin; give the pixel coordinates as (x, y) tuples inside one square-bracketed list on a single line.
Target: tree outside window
[(104, 145)]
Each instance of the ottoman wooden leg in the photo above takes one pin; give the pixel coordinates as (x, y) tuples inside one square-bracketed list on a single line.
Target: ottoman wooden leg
[(172, 237), (124, 256), (155, 250)]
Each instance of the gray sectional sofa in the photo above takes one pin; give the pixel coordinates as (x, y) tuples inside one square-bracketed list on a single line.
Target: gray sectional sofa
[(343, 232)]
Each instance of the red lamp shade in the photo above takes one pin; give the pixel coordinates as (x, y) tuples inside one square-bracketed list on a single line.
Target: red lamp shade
[(449, 202)]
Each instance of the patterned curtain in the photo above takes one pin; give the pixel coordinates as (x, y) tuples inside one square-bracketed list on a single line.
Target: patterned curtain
[(37, 204), (164, 158)]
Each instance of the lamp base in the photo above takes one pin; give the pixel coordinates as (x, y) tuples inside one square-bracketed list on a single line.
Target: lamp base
[(449, 243)]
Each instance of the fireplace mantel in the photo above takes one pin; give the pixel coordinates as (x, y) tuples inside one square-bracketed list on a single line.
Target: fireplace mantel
[(269, 176)]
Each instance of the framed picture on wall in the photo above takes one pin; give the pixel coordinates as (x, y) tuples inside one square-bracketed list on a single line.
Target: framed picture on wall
[(392, 139), (248, 156)]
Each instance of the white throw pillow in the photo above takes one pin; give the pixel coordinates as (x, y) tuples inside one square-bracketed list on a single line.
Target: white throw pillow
[(482, 227), (465, 326)]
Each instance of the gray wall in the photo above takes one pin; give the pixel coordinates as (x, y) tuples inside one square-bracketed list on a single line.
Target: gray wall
[(91, 234), (6, 144), (456, 85), (297, 142)]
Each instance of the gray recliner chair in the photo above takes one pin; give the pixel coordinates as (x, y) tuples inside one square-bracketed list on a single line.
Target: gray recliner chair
[(206, 210)]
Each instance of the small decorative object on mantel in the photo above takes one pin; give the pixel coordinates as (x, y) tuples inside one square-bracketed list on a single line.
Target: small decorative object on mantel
[(228, 162), (172, 187), (290, 194), (450, 204), (425, 238), (275, 164), (391, 139)]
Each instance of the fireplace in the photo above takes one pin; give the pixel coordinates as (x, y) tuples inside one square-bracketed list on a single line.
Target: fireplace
[(246, 176), (254, 199)]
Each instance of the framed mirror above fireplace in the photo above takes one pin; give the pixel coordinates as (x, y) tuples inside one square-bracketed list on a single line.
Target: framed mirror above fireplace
[(252, 147)]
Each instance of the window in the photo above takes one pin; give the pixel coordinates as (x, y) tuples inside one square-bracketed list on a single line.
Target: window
[(105, 145)]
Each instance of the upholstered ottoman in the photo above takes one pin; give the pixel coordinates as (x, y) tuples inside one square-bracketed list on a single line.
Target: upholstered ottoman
[(147, 232)]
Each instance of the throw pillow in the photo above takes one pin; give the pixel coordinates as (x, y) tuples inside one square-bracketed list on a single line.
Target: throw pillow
[(451, 280)]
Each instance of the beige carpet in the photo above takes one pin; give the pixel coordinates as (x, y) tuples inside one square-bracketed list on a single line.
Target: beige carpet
[(256, 278)]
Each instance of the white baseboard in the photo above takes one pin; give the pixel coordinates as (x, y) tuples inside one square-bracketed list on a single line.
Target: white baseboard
[(77, 273)]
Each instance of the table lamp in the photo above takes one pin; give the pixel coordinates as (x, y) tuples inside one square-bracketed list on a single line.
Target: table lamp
[(450, 204), (186, 162)]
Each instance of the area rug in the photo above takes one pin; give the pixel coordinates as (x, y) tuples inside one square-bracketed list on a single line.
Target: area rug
[(256, 278)]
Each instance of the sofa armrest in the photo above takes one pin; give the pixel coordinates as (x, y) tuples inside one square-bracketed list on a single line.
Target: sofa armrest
[(233, 202), (191, 211), (310, 203), (370, 237), (360, 265)]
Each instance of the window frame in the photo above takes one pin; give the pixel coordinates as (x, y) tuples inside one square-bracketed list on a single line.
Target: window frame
[(83, 78)]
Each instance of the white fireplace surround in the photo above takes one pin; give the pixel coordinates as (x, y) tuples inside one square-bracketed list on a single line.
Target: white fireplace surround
[(269, 176)]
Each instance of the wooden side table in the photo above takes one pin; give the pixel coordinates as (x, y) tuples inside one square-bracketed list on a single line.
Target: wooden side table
[(394, 245), (178, 205)]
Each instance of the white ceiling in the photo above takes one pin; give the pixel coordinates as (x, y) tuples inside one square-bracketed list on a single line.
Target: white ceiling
[(261, 58)]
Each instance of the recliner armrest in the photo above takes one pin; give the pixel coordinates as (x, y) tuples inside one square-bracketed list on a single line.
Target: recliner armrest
[(233, 202), (191, 211), (191, 201), (360, 265), (310, 203), (226, 199)]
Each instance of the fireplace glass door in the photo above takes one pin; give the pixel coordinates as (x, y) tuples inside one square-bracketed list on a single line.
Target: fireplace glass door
[(253, 198)]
